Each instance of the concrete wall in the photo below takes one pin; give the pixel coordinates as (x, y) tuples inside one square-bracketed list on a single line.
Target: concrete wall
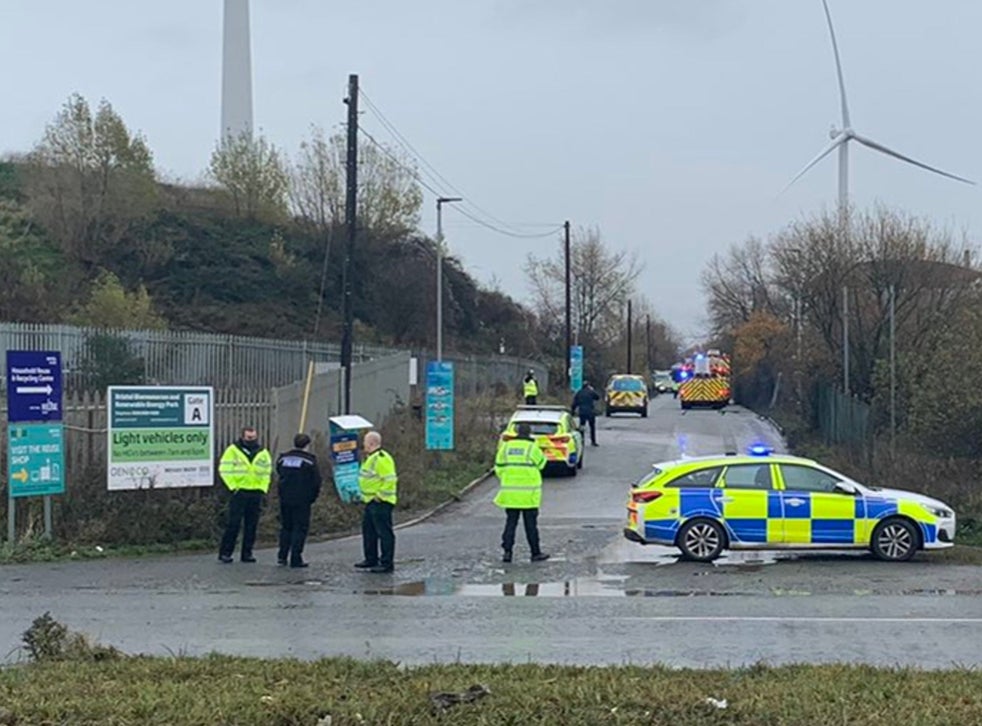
[(377, 386), (495, 373)]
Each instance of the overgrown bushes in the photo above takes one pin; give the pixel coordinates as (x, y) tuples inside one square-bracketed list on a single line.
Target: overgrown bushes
[(87, 514)]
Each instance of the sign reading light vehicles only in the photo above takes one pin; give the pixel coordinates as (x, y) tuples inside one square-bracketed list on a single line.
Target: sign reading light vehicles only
[(161, 437)]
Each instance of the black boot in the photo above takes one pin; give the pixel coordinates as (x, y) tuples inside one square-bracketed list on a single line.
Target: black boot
[(506, 557)]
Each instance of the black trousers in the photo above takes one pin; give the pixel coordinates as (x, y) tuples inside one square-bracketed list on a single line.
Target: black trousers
[(530, 518), (376, 530), (244, 506), (294, 524), (592, 421), (530, 400)]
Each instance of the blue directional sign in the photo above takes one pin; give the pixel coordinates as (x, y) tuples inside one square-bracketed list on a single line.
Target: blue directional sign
[(439, 406), (34, 385), (35, 459), (576, 367)]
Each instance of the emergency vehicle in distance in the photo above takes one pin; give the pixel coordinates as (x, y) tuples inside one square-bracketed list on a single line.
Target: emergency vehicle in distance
[(705, 380), (708, 504), (554, 430), (626, 392), (662, 382)]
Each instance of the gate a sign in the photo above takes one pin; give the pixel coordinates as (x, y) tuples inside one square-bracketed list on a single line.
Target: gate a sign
[(161, 437)]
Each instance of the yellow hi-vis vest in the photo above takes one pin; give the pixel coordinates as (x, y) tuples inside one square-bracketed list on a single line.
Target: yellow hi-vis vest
[(531, 388), (519, 464), (377, 478), (239, 473)]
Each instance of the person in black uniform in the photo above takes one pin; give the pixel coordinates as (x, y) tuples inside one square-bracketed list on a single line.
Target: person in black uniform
[(583, 401), (300, 484)]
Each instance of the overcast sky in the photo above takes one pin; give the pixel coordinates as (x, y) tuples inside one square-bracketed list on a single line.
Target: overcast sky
[(670, 124)]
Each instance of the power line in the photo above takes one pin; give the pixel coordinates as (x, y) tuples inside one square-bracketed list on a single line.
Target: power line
[(402, 165), (496, 224), (416, 175)]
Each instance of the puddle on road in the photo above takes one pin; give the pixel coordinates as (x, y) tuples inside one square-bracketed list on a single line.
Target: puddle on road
[(625, 552), (577, 587), (611, 587)]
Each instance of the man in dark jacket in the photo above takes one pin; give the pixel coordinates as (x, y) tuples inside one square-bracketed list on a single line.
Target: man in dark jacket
[(300, 484), (584, 401)]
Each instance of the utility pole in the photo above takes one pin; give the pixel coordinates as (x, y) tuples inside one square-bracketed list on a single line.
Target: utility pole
[(439, 271), (569, 307), (893, 372), (845, 340), (351, 222), (629, 324), (647, 348)]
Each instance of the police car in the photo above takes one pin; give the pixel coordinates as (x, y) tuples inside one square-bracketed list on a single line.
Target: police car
[(758, 501), (554, 431)]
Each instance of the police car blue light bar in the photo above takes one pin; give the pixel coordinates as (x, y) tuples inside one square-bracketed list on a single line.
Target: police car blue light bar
[(759, 450)]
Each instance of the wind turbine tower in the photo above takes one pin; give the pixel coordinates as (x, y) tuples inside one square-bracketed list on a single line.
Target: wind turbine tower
[(842, 137), (236, 70)]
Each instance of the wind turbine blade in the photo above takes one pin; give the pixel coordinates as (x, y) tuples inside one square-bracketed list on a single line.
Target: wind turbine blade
[(832, 146), (838, 67), (897, 155)]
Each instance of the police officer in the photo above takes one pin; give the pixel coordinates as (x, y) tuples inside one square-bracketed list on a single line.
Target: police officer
[(378, 483), (246, 468), (584, 401), (300, 484), (530, 388), (519, 464)]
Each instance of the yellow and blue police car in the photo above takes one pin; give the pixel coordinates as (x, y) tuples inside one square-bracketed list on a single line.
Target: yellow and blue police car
[(554, 431), (707, 504)]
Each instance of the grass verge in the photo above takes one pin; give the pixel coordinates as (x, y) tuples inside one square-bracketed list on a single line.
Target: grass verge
[(219, 689)]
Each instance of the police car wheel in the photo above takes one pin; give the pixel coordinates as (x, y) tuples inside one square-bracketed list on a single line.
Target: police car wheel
[(895, 540), (701, 540)]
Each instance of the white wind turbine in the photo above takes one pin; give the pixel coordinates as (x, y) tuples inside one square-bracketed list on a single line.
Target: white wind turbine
[(842, 137)]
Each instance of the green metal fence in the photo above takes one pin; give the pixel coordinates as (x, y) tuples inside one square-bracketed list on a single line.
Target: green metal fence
[(843, 420)]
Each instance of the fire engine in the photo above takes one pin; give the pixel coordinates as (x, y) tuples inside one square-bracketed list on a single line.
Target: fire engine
[(707, 382)]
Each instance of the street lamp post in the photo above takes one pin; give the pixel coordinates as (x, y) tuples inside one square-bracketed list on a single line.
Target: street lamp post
[(439, 271)]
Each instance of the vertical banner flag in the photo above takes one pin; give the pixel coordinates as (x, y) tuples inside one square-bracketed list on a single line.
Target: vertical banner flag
[(439, 406), (576, 367)]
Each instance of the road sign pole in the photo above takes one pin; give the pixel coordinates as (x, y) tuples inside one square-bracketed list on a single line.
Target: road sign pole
[(47, 516), (11, 518)]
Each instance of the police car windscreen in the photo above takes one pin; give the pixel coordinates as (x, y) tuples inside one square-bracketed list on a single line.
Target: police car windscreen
[(628, 384)]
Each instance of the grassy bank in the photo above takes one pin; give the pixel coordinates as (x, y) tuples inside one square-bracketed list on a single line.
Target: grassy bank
[(92, 522), (218, 690)]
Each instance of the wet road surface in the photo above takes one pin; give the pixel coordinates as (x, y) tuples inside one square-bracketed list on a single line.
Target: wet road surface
[(601, 599)]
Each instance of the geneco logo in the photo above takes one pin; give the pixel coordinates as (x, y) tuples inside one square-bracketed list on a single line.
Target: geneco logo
[(139, 472)]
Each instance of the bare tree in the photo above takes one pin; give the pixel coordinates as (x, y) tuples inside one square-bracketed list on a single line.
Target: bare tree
[(666, 342), (389, 195), (89, 179), (250, 170), (883, 250), (602, 281), (737, 285)]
